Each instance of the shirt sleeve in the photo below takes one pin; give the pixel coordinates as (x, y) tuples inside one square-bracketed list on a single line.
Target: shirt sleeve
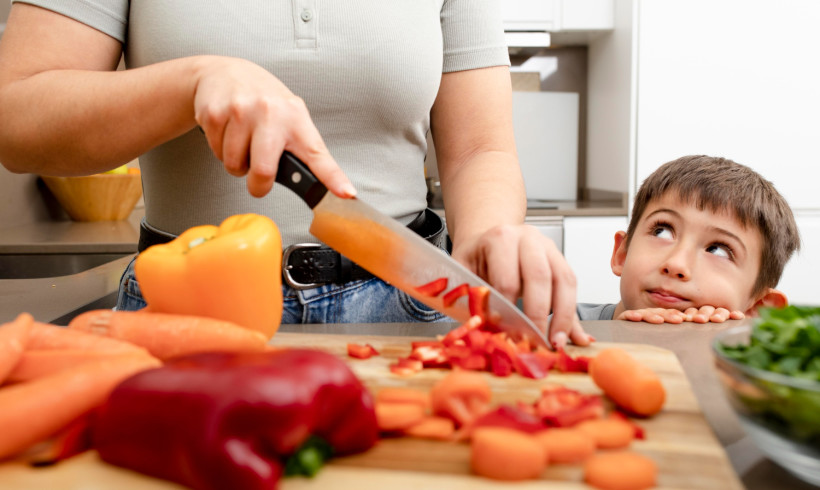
[(107, 16), (589, 311), (473, 35)]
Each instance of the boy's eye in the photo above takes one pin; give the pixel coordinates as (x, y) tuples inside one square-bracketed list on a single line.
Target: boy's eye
[(662, 230), (721, 250)]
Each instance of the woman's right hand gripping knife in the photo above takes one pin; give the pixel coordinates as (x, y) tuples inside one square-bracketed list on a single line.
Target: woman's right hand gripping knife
[(220, 420)]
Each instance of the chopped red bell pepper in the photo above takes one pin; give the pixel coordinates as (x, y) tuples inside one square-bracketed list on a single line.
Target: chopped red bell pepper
[(230, 420), (404, 366), (567, 364), (361, 351), (452, 295), (462, 330), (433, 288), (560, 406), (510, 416), (532, 365), (478, 298)]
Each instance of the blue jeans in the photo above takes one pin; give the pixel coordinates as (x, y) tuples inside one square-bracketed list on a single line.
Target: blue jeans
[(366, 301)]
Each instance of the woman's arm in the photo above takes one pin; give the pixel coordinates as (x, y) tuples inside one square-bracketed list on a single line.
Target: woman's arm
[(485, 200), (64, 110)]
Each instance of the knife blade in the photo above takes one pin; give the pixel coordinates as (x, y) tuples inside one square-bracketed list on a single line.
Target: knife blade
[(394, 253)]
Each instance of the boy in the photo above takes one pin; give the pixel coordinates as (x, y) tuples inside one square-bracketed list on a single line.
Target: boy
[(707, 241)]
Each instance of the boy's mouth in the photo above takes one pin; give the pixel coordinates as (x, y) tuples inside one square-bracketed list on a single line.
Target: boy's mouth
[(662, 297)]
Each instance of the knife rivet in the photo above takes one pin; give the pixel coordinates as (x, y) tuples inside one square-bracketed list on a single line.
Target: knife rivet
[(296, 177)]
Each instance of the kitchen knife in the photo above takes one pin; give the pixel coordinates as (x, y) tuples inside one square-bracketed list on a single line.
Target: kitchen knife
[(394, 253)]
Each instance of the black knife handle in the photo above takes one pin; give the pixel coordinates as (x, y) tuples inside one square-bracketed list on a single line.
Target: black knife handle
[(296, 176)]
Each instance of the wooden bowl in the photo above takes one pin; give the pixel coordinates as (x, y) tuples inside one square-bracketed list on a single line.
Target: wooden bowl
[(100, 197)]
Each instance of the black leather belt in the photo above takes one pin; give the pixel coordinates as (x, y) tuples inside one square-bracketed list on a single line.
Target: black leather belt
[(309, 265)]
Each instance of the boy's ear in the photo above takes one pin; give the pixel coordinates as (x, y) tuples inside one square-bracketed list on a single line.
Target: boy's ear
[(771, 298), (618, 253)]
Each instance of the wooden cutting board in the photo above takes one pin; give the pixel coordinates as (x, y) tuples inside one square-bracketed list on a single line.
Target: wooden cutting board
[(678, 439)]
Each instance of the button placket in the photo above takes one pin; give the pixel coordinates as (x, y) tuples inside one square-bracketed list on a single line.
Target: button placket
[(304, 22)]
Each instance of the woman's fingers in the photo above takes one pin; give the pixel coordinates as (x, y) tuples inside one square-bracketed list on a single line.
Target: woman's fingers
[(249, 117)]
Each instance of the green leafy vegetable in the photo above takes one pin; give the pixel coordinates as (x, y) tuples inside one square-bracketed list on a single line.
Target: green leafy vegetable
[(784, 341)]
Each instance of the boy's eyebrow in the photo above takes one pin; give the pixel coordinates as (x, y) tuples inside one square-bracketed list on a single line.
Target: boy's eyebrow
[(713, 228)]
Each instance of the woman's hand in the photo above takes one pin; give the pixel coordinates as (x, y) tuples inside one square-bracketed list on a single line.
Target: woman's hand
[(250, 117), (704, 314), (519, 261)]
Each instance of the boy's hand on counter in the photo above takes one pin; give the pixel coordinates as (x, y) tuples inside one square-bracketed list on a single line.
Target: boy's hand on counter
[(704, 314)]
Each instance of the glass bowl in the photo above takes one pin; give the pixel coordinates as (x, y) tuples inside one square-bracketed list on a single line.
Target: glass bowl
[(780, 413)]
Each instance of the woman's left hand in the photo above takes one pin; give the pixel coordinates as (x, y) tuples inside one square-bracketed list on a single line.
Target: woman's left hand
[(519, 261)]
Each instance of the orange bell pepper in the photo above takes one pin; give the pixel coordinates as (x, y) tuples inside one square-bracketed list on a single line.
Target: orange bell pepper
[(232, 272)]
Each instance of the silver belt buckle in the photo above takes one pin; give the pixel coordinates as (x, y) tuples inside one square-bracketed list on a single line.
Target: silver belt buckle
[(286, 267)]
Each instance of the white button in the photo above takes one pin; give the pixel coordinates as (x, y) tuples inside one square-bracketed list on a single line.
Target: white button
[(306, 15)]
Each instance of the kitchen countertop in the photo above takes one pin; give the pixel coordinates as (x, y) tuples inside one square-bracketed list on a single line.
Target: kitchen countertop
[(56, 298)]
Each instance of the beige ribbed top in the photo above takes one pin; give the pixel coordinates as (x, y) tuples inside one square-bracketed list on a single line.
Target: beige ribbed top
[(369, 71)]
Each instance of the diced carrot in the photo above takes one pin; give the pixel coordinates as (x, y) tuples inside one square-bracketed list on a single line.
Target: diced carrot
[(38, 363), (404, 395), (38, 409), (627, 382), (13, 340), (506, 454), (622, 470), (609, 433), (461, 395), (45, 336), (167, 335), (566, 445), (432, 427), (397, 416)]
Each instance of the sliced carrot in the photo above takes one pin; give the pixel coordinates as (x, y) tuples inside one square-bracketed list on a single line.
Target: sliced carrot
[(38, 409), (45, 336), (13, 340), (461, 395), (432, 427), (167, 335), (610, 433), (566, 445), (404, 395), (506, 454), (397, 416), (622, 470), (627, 382), (38, 363)]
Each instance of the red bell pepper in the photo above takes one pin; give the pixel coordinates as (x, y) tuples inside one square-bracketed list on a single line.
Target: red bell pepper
[(227, 420), (433, 288), (560, 406), (360, 351)]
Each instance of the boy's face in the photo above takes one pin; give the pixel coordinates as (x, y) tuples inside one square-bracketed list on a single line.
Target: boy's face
[(683, 257)]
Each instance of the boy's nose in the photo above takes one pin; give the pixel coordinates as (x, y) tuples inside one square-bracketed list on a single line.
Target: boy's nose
[(677, 265)]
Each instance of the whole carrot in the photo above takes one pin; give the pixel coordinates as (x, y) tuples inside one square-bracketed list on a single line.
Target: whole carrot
[(630, 384), (38, 409), (38, 363), (167, 335), (45, 336), (13, 340)]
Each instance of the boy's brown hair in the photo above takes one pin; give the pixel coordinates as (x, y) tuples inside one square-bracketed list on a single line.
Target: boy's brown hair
[(721, 185)]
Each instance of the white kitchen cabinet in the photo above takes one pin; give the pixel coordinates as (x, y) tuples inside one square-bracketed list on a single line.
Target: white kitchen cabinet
[(800, 277), (731, 78), (549, 226), (557, 15), (588, 243)]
